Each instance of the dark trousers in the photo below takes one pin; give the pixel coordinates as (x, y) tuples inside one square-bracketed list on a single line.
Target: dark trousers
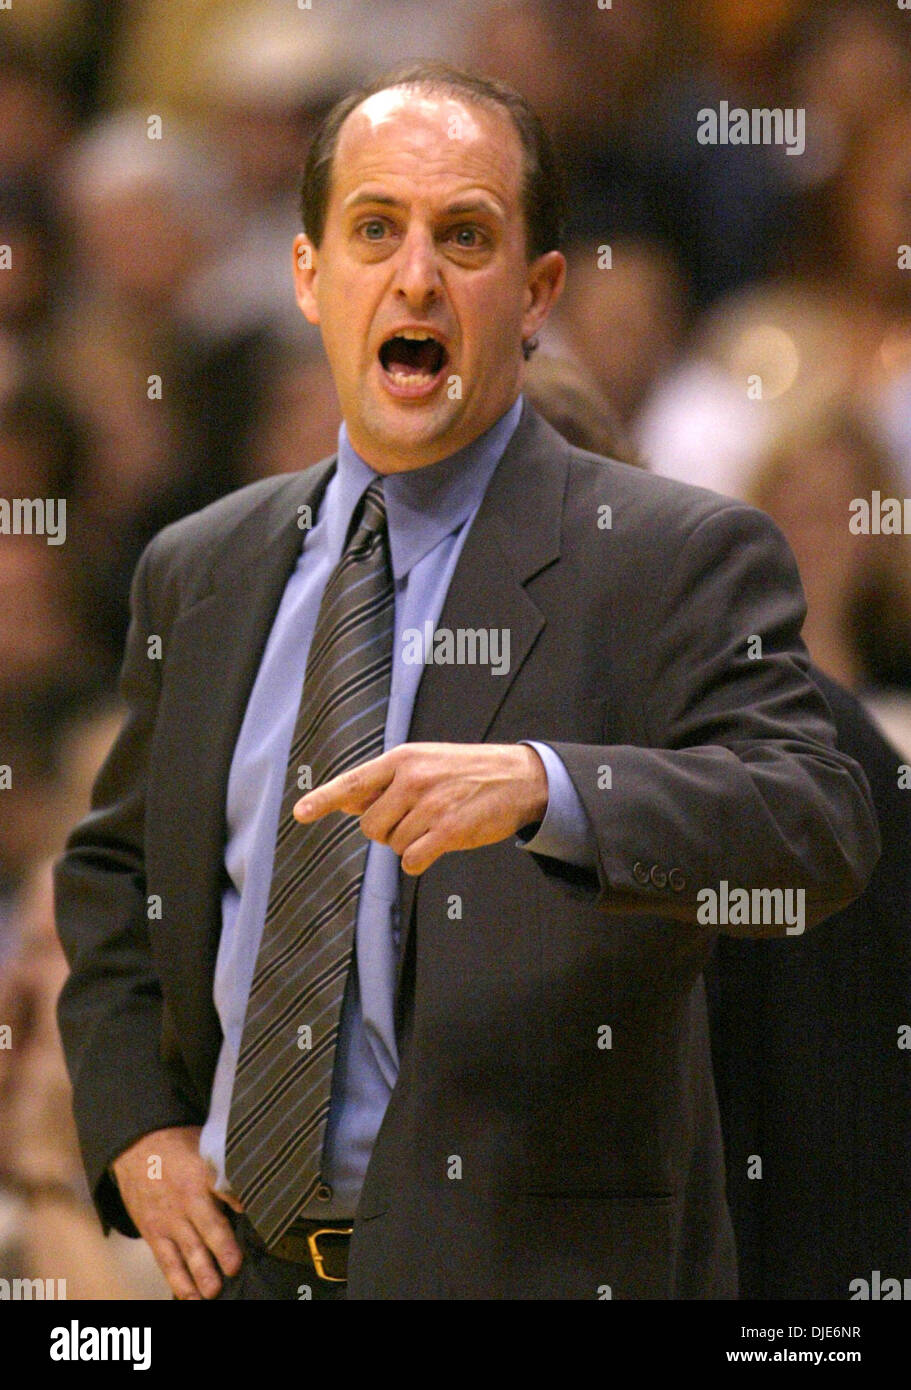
[(265, 1276)]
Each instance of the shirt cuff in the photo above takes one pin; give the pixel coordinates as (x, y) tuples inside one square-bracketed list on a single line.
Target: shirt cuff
[(565, 832)]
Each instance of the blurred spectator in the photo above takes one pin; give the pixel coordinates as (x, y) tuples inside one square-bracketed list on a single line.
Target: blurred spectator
[(728, 208), (146, 216), (84, 741), (48, 1228), (38, 792), (574, 404), (169, 54), (870, 214), (140, 471), (28, 227), (258, 88), (298, 416), (601, 80), (40, 639), (164, 51), (34, 111), (624, 318), (147, 208), (70, 38), (848, 66), (858, 586), (871, 203), (27, 790), (763, 360), (42, 444), (53, 751), (890, 399)]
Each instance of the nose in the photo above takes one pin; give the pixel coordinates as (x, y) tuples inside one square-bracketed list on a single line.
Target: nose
[(417, 279)]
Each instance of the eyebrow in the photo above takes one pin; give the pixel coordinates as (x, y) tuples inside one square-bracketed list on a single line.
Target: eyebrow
[(469, 205)]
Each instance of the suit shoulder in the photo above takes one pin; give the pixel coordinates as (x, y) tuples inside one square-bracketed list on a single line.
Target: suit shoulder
[(216, 522), (177, 565), (661, 506), (195, 542)]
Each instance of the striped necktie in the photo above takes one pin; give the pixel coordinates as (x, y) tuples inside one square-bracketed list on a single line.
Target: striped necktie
[(282, 1087)]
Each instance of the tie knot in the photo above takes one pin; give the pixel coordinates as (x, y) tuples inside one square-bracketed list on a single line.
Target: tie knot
[(370, 519)]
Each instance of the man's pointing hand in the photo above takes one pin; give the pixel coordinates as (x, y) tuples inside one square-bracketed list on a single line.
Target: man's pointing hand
[(426, 799)]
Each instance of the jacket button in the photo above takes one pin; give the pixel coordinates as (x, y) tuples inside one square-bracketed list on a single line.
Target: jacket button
[(324, 1192), (658, 876), (640, 872), (677, 880)]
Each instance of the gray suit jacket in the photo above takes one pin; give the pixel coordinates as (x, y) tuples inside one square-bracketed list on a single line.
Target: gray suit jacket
[(582, 1168)]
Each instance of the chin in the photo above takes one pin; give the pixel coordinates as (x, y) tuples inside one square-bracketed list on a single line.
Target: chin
[(401, 427)]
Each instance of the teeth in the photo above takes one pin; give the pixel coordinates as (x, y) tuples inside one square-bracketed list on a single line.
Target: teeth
[(410, 378), (416, 335)]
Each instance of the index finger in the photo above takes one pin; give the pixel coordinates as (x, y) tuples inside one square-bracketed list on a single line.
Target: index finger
[(352, 791)]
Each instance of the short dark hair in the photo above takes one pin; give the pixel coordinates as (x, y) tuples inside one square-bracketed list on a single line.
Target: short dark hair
[(543, 187)]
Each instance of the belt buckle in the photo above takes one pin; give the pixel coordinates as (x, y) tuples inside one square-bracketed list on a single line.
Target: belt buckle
[(317, 1256)]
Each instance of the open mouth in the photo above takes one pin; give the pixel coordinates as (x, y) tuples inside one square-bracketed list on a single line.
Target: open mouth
[(413, 359)]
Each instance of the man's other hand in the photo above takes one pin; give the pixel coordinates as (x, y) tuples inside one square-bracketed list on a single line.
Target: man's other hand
[(425, 799), (168, 1190)]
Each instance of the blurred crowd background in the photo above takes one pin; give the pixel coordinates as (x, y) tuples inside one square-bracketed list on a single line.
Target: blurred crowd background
[(749, 330)]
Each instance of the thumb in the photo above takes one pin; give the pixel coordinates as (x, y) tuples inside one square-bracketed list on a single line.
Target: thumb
[(227, 1197)]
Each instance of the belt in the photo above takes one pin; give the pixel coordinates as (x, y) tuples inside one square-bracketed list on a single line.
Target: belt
[(324, 1244)]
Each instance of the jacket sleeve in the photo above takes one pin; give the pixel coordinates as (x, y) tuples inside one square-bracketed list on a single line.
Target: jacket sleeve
[(110, 1008), (739, 778)]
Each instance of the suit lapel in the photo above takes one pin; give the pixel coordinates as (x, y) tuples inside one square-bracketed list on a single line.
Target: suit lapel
[(212, 656), (515, 534)]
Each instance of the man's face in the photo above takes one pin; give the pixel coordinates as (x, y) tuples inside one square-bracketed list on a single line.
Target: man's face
[(421, 285)]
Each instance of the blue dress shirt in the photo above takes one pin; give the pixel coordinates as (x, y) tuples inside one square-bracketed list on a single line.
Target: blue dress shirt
[(429, 512)]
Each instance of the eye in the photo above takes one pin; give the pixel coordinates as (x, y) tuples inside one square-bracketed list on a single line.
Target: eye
[(374, 229), (469, 238)]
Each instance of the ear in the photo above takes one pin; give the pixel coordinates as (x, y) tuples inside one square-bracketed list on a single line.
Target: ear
[(305, 277), (544, 285)]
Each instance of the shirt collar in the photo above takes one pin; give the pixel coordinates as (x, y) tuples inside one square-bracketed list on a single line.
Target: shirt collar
[(425, 504)]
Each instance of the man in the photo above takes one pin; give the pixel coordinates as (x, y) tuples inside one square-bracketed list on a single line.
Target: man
[(504, 1083)]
